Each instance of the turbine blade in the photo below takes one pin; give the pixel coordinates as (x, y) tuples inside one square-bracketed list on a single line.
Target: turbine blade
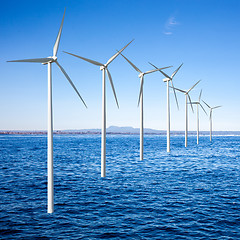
[(180, 90), (167, 77), (207, 104), (110, 79), (216, 107), (210, 116), (34, 60), (203, 108), (174, 73), (70, 81), (86, 59), (153, 65), (158, 69), (55, 48), (190, 103), (193, 86), (175, 95), (199, 99), (141, 89), (137, 69), (116, 54)]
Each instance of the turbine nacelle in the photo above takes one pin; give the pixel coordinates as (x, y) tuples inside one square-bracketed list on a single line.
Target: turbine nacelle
[(103, 67), (166, 79), (54, 58), (141, 75), (51, 60)]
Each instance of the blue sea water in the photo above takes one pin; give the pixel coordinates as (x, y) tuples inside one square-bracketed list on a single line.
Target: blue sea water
[(190, 193)]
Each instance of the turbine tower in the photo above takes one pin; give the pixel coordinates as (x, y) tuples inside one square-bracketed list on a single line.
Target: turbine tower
[(186, 109), (199, 104), (104, 69), (49, 61), (140, 99), (210, 118), (167, 79)]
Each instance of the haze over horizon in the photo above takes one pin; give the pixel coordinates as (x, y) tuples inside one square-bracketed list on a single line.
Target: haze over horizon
[(204, 35), (119, 130)]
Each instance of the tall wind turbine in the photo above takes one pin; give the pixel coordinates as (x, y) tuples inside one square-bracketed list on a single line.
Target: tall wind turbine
[(199, 104), (140, 99), (186, 111), (104, 69), (210, 118), (167, 79), (49, 61)]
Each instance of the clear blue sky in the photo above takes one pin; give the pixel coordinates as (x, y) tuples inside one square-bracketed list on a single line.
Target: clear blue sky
[(203, 34)]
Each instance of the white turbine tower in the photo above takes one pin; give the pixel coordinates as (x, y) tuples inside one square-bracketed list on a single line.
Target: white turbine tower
[(140, 99), (49, 61), (210, 118), (199, 104), (186, 111), (104, 69), (167, 79)]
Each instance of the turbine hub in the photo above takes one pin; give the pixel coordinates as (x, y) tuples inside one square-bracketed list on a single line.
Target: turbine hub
[(54, 58), (102, 67), (141, 75), (51, 59)]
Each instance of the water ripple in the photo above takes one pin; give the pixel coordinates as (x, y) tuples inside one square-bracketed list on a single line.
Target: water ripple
[(189, 193)]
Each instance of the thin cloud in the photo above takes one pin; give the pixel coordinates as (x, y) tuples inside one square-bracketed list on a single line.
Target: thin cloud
[(168, 33), (170, 25)]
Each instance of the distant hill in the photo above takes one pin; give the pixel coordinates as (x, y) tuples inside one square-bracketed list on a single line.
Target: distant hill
[(123, 130), (131, 130)]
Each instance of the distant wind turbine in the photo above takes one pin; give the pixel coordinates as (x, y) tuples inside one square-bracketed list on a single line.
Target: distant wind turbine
[(199, 104), (210, 118), (140, 99), (186, 112), (167, 79), (49, 61), (104, 69)]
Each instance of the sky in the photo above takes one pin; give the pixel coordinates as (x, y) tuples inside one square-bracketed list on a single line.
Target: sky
[(204, 35)]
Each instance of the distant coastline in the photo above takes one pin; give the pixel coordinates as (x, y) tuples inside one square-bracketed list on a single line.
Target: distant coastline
[(113, 130)]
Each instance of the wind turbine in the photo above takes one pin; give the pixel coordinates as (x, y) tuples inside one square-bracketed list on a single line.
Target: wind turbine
[(210, 118), (199, 104), (140, 99), (186, 112), (49, 61), (104, 69), (167, 79)]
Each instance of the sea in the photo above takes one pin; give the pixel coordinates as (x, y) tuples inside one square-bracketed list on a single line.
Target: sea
[(189, 193)]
